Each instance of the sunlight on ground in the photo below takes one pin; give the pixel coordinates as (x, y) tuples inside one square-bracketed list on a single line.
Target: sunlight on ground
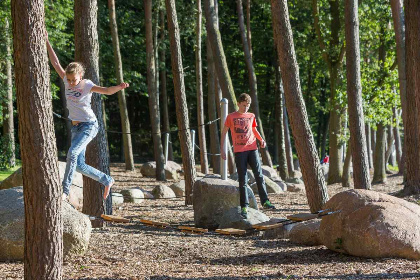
[(6, 173)]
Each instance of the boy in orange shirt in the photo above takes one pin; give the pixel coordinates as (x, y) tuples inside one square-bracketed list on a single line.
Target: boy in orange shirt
[(243, 128)]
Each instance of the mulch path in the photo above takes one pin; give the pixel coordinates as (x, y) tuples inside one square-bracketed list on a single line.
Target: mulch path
[(135, 251)]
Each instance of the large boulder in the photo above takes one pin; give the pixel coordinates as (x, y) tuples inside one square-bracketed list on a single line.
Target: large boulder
[(76, 231), (133, 195), (171, 170), (270, 185), (279, 232), (163, 191), (178, 188), (372, 224), (251, 178), (306, 233), (233, 219), (295, 187), (76, 197), (213, 197), (269, 171)]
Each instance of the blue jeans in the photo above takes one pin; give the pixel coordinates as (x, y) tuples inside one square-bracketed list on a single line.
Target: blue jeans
[(81, 135), (242, 159)]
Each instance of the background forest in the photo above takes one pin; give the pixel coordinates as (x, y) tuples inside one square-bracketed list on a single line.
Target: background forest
[(318, 40)]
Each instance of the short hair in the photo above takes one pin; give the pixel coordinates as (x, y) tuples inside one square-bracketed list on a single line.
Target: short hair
[(244, 97), (75, 68)]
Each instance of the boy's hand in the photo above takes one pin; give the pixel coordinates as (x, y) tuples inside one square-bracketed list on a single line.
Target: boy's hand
[(124, 85), (223, 154), (263, 144)]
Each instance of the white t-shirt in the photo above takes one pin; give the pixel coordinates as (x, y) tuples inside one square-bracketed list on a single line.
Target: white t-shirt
[(78, 101)]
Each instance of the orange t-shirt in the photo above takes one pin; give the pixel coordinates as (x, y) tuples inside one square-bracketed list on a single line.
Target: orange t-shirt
[(240, 126)]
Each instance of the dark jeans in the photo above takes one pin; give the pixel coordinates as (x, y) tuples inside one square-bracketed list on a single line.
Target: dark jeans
[(242, 159)]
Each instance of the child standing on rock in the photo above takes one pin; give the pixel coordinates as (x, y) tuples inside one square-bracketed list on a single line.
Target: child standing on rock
[(78, 93), (243, 128)]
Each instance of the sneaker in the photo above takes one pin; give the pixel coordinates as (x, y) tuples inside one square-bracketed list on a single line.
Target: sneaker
[(267, 205), (244, 212)]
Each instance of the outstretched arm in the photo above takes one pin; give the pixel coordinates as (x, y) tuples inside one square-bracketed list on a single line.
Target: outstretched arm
[(258, 136), (109, 90), (54, 60)]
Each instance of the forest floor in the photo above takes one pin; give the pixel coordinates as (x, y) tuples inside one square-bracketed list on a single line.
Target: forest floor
[(134, 251)]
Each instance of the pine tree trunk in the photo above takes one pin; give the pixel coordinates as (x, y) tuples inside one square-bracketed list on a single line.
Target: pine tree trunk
[(248, 25), (125, 122), (163, 88), (43, 251), (354, 95), (252, 78), (66, 112), (390, 145), (222, 70), (151, 88), (313, 178), (8, 118), (287, 142), (379, 174), (212, 111), (373, 141), (87, 52), (411, 143), (397, 137), (345, 183), (279, 127), (368, 145), (181, 101), (200, 102), (399, 28)]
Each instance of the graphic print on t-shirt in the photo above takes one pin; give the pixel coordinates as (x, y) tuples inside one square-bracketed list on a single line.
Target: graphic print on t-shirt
[(74, 94), (241, 127)]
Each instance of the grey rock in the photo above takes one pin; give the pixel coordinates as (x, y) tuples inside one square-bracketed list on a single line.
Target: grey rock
[(270, 185), (178, 188), (163, 191), (133, 195), (233, 219), (306, 233), (269, 171), (171, 170), (117, 198)]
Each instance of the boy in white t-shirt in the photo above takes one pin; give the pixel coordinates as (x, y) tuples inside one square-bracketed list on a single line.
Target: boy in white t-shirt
[(78, 93)]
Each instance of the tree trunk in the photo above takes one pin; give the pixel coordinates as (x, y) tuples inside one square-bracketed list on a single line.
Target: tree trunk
[(252, 78), (287, 142), (345, 183), (163, 89), (399, 28), (87, 52), (181, 101), (279, 127), (248, 25), (43, 251), (354, 94), (222, 70), (200, 103), (373, 141), (8, 123), (313, 178), (379, 174), (66, 112), (151, 88), (125, 122), (397, 137), (212, 111), (412, 46), (390, 145), (368, 146)]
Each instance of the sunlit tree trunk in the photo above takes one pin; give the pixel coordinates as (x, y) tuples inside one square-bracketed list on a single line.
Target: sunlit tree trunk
[(266, 158), (345, 183), (43, 253), (8, 123), (87, 52), (397, 137), (279, 126), (368, 145), (125, 122), (354, 94), (287, 142), (200, 103), (379, 175), (153, 99), (181, 101), (313, 177)]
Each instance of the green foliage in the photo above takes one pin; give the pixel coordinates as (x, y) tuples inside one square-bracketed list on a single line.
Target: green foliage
[(7, 151)]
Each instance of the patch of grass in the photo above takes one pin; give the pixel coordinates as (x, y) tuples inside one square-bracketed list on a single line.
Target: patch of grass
[(6, 173), (393, 168)]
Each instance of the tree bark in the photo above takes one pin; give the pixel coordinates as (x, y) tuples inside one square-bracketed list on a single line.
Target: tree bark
[(212, 111), (399, 28), (354, 94), (125, 122), (397, 137), (279, 127), (181, 101), (163, 89), (373, 141), (200, 103), (252, 78), (412, 46), (151, 88), (390, 145), (222, 70), (287, 142), (8, 118), (345, 183), (248, 25), (66, 112), (379, 174), (368, 145), (313, 177), (43, 251), (87, 52)]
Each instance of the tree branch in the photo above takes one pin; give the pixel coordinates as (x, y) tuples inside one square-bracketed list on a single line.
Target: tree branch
[(315, 13)]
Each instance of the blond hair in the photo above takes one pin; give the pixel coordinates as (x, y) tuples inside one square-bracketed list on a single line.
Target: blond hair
[(75, 68)]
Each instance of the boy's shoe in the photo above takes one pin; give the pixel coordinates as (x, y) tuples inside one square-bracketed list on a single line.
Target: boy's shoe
[(244, 212), (267, 205)]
